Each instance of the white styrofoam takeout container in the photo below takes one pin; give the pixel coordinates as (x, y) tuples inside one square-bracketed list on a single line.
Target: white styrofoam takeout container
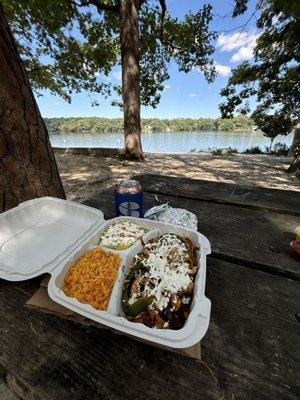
[(47, 235)]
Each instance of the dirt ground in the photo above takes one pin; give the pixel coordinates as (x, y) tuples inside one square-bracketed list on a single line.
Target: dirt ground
[(84, 175)]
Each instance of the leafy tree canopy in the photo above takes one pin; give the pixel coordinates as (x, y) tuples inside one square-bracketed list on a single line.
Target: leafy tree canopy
[(94, 125), (274, 76), (71, 45)]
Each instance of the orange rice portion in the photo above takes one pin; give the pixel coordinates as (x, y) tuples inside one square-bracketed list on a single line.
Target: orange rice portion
[(90, 280)]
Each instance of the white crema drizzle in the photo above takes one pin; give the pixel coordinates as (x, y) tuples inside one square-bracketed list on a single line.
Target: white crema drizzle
[(168, 271)]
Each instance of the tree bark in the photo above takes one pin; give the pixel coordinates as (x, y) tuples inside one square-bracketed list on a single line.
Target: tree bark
[(295, 151), (27, 164), (295, 165), (129, 37), (296, 139)]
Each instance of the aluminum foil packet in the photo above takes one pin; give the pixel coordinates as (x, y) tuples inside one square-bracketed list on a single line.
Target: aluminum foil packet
[(175, 216)]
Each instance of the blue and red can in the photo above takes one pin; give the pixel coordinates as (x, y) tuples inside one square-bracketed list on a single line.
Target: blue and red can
[(129, 199)]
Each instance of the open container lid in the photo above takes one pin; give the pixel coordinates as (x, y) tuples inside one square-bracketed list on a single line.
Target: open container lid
[(38, 234)]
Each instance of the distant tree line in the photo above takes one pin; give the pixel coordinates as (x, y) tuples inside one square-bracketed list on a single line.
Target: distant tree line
[(111, 125)]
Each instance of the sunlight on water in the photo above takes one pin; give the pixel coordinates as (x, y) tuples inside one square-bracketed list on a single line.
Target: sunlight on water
[(170, 142)]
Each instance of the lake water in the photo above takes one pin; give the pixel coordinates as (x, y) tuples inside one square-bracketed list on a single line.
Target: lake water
[(172, 142)]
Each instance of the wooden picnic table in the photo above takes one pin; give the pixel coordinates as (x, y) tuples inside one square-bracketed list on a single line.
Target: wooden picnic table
[(252, 344)]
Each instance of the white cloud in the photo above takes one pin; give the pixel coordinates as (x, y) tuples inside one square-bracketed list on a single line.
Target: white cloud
[(167, 86), (244, 53), (243, 42), (193, 95), (117, 75), (222, 70), (56, 104), (234, 41)]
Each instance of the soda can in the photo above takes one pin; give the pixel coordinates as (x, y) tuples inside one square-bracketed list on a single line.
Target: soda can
[(129, 199)]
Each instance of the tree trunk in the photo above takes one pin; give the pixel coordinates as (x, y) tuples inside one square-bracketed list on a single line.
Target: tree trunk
[(296, 140), (129, 37), (27, 164), (271, 145), (295, 165)]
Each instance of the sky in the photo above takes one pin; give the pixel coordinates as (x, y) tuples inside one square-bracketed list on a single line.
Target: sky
[(184, 95)]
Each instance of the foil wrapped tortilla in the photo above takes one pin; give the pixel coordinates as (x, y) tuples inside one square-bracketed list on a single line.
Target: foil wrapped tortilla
[(175, 216)]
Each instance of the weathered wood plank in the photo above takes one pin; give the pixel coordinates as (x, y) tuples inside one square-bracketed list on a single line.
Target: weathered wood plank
[(250, 347), (257, 238), (6, 393), (43, 357), (283, 201), (253, 329)]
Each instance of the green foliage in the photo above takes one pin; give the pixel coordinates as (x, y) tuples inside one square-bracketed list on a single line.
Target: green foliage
[(274, 77), (95, 125), (229, 151), (54, 58), (240, 7), (280, 149), (272, 125), (112, 125), (254, 150), (69, 46), (238, 123)]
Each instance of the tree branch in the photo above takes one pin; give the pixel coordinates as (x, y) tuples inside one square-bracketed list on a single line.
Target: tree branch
[(248, 20), (241, 26), (141, 3), (99, 4), (161, 32), (163, 13)]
